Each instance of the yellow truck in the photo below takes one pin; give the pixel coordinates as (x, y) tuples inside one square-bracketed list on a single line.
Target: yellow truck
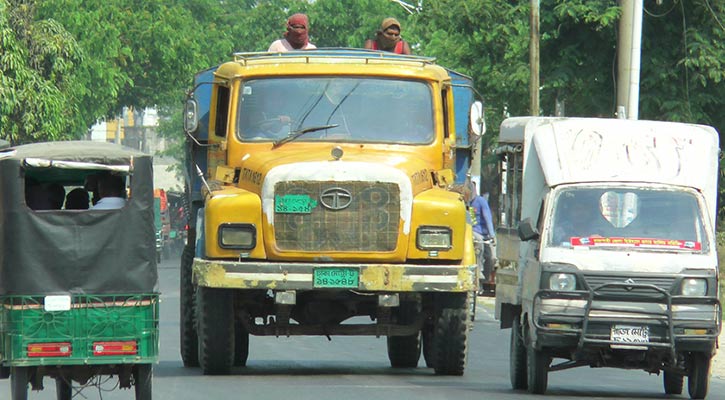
[(321, 204)]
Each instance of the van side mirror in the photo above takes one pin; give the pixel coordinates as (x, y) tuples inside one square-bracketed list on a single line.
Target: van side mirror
[(478, 123), (191, 116), (527, 230)]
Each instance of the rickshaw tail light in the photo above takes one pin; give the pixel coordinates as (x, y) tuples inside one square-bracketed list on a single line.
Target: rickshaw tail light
[(49, 349), (125, 348)]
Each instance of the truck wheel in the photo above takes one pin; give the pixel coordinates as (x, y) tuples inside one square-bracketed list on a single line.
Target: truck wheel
[(404, 351), (673, 382), (187, 328), (517, 357), (241, 345), (537, 363), (215, 324), (19, 378), (699, 377), (63, 388), (142, 381), (450, 341), (427, 339)]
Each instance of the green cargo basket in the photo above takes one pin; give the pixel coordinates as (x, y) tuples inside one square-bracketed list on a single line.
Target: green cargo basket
[(107, 329)]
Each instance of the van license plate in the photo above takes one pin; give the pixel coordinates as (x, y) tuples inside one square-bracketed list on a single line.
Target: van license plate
[(336, 277), (626, 334)]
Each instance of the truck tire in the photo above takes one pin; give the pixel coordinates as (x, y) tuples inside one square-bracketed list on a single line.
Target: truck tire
[(143, 381), (215, 329), (673, 382), (517, 357), (699, 376), (19, 379), (537, 365), (427, 338), (188, 339), (450, 341), (404, 351), (63, 388), (241, 345)]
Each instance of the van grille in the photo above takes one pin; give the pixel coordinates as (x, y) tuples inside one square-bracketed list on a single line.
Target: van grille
[(369, 223), (662, 282)]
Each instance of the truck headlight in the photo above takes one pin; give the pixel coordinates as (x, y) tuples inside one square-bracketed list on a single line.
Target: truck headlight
[(562, 282), (433, 238), (694, 287), (237, 236)]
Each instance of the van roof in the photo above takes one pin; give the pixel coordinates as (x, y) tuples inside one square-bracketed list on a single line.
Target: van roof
[(74, 150), (572, 150)]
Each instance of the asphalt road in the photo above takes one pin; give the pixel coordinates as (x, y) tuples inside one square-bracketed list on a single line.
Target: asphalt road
[(357, 368)]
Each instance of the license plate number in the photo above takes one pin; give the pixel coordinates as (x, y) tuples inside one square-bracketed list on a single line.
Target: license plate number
[(336, 277), (294, 204), (626, 334)]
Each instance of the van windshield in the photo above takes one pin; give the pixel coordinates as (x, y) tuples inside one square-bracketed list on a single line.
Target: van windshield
[(340, 109), (628, 217)]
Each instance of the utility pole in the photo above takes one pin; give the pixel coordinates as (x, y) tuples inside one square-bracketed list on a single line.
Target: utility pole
[(628, 59), (534, 58)]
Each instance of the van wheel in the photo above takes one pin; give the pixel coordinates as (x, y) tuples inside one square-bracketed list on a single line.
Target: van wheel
[(699, 377), (517, 357), (673, 382), (19, 378), (537, 365), (63, 388), (188, 339), (450, 339), (404, 351), (215, 330), (142, 381)]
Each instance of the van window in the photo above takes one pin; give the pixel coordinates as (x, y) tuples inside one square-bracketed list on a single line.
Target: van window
[(74, 189), (628, 217)]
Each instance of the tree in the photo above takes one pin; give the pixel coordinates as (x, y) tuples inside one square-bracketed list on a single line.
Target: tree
[(38, 88)]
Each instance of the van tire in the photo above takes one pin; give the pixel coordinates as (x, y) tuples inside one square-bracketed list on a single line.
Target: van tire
[(699, 376), (188, 339), (517, 357), (215, 324), (450, 341), (673, 382), (537, 365)]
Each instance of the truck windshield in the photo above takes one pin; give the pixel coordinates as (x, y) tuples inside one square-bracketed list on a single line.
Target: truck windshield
[(336, 109), (628, 217)]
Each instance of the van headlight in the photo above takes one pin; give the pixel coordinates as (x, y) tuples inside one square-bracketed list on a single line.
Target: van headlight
[(562, 282), (433, 238), (237, 236), (694, 287)]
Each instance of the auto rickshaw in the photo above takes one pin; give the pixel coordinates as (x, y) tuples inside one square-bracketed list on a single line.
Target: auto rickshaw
[(79, 298)]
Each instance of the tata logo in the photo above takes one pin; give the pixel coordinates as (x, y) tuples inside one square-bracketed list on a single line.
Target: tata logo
[(336, 198)]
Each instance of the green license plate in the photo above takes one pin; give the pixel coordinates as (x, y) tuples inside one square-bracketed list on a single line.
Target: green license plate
[(336, 277), (294, 204)]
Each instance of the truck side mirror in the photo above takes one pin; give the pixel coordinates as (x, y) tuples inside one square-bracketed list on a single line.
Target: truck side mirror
[(191, 116), (527, 230), (478, 123)]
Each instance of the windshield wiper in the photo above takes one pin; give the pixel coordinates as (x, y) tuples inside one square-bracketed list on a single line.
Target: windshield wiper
[(295, 134)]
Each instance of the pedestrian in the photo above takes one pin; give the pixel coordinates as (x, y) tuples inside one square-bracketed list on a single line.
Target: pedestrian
[(296, 37), (387, 38), (484, 235)]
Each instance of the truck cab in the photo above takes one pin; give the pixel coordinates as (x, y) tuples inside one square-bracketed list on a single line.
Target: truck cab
[(320, 189), (616, 266)]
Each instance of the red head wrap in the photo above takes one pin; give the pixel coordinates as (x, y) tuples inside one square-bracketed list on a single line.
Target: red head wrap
[(297, 37)]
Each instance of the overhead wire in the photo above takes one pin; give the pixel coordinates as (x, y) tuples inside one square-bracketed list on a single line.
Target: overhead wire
[(651, 14)]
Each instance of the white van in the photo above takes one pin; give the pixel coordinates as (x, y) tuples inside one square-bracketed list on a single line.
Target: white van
[(609, 226)]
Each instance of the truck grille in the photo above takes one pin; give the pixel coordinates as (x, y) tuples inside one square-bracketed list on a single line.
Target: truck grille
[(368, 223)]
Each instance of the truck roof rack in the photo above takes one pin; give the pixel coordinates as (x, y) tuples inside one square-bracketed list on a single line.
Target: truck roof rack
[(334, 52)]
